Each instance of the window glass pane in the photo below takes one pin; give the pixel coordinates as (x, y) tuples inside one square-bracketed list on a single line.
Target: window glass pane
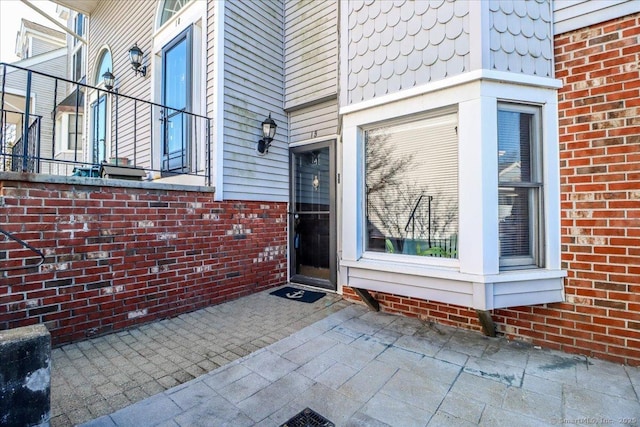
[(78, 27), (514, 214), (312, 191), (170, 8), (104, 65), (77, 65), (72, 142), (514, 151), (412, 188), (518, 191)]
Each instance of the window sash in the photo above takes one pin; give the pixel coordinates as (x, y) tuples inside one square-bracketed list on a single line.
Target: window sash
[(74, 144), (520, 186)]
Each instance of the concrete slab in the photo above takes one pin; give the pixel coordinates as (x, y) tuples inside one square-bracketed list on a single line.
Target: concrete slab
[(416, 390), (396, 412), (458, 410), (368, 381), (270, 365), (244, 387), (275, 396)]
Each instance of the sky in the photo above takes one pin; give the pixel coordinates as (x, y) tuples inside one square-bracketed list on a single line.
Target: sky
[(11, 13)]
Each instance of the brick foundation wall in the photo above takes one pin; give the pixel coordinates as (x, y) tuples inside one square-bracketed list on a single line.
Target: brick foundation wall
[(121, 256), (599, 115)]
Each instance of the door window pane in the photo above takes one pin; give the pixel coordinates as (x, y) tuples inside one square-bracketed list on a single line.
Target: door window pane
[(312, 181), (411, 187)]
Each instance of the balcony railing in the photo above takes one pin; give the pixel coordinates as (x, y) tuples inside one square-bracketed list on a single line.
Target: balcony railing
[(19, 162), (71, 128)]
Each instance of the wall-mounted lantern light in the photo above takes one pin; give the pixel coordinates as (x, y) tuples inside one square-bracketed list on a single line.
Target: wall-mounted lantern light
[(135, 57), (108, 79), (268, 132)]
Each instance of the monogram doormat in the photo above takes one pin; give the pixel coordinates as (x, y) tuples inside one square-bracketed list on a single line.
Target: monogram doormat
[(296, 294)]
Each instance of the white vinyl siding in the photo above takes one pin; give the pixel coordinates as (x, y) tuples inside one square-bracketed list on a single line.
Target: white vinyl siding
[(311, 51), (39, 46), (569, 15), (109, 27), (253, 88), (317, 121)]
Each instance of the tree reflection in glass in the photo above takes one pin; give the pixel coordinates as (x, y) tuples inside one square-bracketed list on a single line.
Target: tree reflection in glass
[(411, 187)]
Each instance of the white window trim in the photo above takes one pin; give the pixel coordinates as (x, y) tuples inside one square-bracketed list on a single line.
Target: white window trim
[(536, 260), (62, 133)]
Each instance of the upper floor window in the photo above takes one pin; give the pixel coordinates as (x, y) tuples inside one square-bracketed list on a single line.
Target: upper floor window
[(77, 64), (78, 27), (170, 8), (411, 187), (520, 186)]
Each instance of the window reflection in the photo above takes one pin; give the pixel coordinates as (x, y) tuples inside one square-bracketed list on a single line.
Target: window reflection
[(412, 187)]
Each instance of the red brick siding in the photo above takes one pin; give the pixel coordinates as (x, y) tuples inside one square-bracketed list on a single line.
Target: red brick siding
[(599, 115), (117, 257)]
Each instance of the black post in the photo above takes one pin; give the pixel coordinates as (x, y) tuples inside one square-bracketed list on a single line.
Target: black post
[(208, 142), (75, 147), (3, 115), (54, 114), (135, 132), (116, 125), (429, 224), (25, 125), (39, 123)]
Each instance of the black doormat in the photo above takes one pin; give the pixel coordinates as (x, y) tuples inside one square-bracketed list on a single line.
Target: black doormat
[(308, 418), (296, 294)]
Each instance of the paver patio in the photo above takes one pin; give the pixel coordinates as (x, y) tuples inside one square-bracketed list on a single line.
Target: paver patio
[(101, 375), (352, 366)]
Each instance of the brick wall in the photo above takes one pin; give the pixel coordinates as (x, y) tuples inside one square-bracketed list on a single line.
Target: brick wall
[(120, 256), (599, 115)]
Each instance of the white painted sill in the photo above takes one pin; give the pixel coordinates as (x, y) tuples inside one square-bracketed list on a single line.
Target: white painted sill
[(451, 271)]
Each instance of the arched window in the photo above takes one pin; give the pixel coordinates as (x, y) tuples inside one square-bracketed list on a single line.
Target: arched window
[(104, 64), (170, 8)]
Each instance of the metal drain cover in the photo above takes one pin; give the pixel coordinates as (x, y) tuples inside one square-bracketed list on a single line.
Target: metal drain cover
[(308, 418)]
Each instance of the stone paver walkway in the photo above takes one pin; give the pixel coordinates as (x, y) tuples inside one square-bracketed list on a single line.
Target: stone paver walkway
[(360, 368), (101, 375)]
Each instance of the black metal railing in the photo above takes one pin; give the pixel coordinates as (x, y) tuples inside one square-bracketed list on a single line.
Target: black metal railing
[(75, 129), (29, 145), (11, 244)]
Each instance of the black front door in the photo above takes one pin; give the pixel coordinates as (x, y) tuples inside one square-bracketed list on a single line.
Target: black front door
[(312, 221)]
